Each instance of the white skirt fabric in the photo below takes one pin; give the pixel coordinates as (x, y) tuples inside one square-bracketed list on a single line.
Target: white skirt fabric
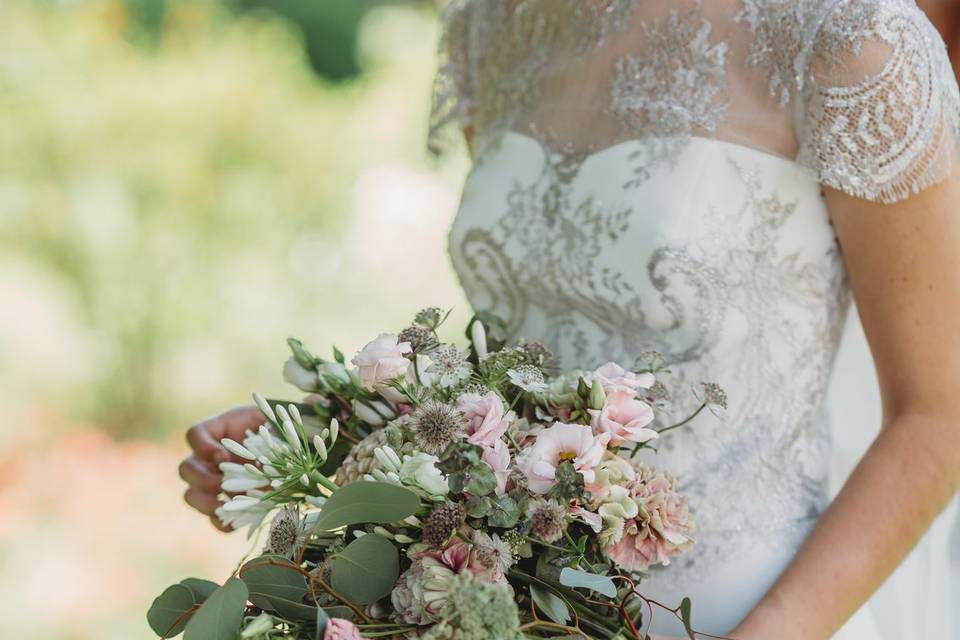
[(921, 600)]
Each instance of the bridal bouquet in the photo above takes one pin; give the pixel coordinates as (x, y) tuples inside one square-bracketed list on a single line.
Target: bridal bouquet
[(431, 491)]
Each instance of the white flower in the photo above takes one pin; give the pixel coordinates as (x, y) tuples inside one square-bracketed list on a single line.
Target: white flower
[(300, 377), (373, 412), (381, 363), (449, 366), (527, 377), (420, 471), (245, 510), (479, 338)]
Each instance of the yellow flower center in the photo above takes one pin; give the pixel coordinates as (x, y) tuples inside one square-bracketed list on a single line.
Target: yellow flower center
[(567, 455)]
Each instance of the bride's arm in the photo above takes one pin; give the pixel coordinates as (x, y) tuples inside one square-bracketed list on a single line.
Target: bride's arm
[(904, 266)]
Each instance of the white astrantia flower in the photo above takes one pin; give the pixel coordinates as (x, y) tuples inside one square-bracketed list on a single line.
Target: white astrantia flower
[(527, 377), (449, 366)]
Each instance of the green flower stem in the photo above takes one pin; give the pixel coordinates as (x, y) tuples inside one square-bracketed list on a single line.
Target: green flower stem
[(587, 616), (327, 482)]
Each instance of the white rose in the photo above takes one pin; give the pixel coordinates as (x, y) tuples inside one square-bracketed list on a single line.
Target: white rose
[(420, 471), (300, 377), (382, 361)]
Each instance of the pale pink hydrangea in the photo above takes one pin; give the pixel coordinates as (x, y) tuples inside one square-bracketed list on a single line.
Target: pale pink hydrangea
[(381, 361), (556, 444), (340, 629), (661, 528), (624, 418), (487, 419)]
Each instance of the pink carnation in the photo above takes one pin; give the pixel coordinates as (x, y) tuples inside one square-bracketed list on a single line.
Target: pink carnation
[(625, 418), (486, 418), (340, 629), (660, 531), (556, 444)]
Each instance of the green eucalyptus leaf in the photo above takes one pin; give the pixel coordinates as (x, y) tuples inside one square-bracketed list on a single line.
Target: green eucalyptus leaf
[(550, 604), (277, 585), (202, 589), (577, 578), (367, 502), (171, 610), (321, 623), (339, 611), (685, 606), (366, 569), (219, 618)]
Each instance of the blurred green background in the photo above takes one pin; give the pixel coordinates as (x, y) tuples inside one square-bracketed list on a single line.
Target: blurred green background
[(183, 184)]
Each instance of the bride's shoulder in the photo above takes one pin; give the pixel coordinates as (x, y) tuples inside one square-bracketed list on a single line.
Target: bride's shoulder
[(878, 100)]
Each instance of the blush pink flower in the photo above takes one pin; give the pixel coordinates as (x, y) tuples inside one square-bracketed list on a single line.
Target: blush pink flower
[(422, 590), (381, 361), (497, 457), (487, 420), (624, 418), (340, 629), (661, 528), (615, 379), (556, 444)]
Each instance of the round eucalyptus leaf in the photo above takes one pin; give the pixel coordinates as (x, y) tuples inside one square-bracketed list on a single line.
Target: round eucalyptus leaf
[(202, 589), (367, 502), (276, 584), (219, 618), (366, 569), (170, 611)]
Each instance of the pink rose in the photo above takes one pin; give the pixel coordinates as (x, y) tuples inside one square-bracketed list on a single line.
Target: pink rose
[(556, 444), (615, 379), (486, 419), (340, 629), (624, 418), (381, 361), (497, 458)]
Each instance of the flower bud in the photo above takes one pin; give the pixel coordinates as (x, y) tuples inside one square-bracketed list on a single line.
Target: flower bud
[(479, 337), (597, 395)]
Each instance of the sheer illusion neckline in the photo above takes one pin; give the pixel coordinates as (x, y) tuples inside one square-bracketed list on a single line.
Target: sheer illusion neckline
[(588, 155)]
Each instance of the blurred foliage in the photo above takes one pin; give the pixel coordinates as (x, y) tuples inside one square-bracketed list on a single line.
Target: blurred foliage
[(168, 217), (329, 28)]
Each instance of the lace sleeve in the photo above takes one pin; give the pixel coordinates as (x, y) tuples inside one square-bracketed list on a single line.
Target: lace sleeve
[(880, 110), (452, 105)]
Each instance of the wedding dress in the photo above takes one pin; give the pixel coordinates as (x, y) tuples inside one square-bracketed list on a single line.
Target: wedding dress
[(647, 175)]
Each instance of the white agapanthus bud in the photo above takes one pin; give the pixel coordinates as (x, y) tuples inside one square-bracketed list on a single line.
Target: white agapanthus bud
[(295, 414), (321, 447), (282, 414), (291, 435), (479, 337), (334, 430), (368, 415), (237, 449), (264, 406)]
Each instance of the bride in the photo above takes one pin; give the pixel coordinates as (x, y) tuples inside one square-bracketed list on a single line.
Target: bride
[(713, 179)]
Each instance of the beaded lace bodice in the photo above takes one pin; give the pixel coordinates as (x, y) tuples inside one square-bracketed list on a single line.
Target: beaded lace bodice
[(647, 175)]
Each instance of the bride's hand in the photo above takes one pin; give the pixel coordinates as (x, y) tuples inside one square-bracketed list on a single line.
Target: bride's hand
[(200, 469)]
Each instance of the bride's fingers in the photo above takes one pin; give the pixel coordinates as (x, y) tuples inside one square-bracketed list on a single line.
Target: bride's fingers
[(204, 437), (200, 474), (202, 501), (215, 521)]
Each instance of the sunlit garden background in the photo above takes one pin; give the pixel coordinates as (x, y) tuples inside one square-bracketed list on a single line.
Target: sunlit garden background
[(183, 184)]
